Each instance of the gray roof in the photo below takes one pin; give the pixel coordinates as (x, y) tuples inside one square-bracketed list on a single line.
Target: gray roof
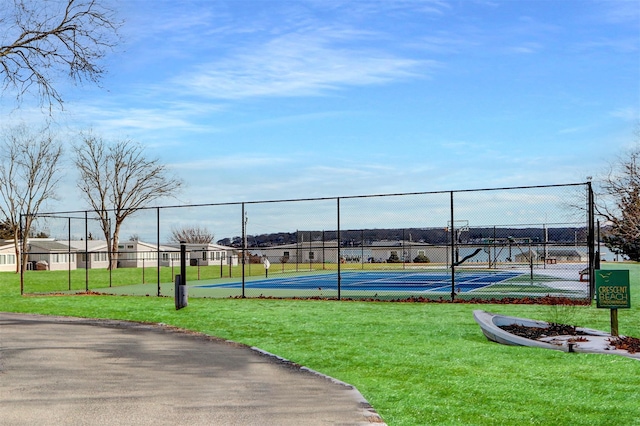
[(50, 246)]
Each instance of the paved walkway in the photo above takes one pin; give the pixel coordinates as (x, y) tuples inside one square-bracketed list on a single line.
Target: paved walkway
[(56, 370)]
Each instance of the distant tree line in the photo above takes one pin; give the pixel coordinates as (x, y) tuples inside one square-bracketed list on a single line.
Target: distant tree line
[(356, 238)]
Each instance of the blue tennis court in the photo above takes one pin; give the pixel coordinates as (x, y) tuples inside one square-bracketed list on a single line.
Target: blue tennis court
[(424, 281)]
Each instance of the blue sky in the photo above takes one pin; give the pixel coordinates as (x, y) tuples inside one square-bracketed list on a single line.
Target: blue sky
[(254, 100)]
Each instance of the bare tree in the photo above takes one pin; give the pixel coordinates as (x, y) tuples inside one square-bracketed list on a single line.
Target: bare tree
[(29, 175), (117, 177), (6, 230), (191, 234), (618, 202), (39, 39)]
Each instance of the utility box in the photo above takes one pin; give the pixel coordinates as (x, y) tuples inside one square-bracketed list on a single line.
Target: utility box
[(181, 295)]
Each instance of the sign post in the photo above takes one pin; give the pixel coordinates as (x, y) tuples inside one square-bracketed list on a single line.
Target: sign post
[(613, 292), (267, 265)]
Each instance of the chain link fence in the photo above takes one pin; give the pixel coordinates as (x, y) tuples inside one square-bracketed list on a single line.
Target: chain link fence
[(515, 243)]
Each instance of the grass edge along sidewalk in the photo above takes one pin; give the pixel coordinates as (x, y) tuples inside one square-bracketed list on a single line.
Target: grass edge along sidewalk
[(415, 363)]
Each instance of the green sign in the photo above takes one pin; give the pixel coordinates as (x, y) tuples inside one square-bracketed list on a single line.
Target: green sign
[(612, 289)]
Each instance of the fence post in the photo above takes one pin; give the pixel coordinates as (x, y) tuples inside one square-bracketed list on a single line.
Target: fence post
[(20, 258), (590, 240), (244, 245), (69, 251), (453, 252), (86, 251), (158, 247), (339, 251)]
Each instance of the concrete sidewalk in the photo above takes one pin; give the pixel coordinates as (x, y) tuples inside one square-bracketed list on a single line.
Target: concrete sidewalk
[(68, 371)]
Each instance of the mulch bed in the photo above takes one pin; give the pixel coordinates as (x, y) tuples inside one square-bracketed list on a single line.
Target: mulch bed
[(629, 344)]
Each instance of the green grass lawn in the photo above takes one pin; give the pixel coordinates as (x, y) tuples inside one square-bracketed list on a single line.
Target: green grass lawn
[(417, 364)]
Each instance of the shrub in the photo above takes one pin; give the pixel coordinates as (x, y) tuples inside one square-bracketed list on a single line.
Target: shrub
[(393, 258)]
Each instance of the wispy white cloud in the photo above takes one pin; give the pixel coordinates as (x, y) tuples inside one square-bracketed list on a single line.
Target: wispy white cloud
[(620, 44), (618, 12), (299, 65), (628, 113), (244, 162), (571, 130), (525, 48), (123, 117)]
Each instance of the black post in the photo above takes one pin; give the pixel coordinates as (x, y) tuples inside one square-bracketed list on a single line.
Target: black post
[(183, 262), (21, 258), (158, 247), (597, 254), (86, 251), (590, 240), (339, 251), (453, 252), (69, 252), (181, 279), (362, 248), (530, 262), (323, 254), (244, 246)]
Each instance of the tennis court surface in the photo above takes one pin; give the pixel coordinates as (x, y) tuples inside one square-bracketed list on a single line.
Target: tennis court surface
[(397, 281)]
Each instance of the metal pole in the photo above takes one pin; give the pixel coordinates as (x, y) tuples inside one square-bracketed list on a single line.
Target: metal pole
[(86, 251), (323, 258), (110, 254), (310, 250), (183, 263), (403, 248), (69, 252), (158, 249), (244, 245), (597, 254), (362, 248), (453, 242), (590, 240), (19, 259), (339, 251)]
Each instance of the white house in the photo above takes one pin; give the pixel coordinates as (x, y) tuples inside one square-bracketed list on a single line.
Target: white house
[(98, 255), (209, 254), (7, 256), (51, 255), (327, 252), (137, 254)]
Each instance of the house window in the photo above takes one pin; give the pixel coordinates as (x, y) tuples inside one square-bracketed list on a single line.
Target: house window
[(3, 259), (311, 255), (224, 255), (285, 255), (204, 255)]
